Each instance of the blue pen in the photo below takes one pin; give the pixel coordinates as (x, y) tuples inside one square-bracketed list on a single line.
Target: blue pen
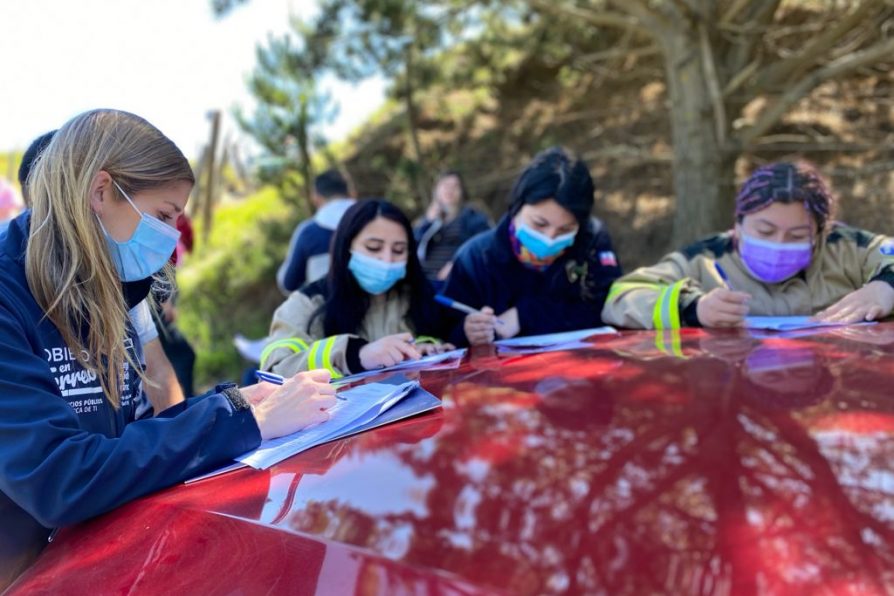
[(269, 377), (276, 379), (441, 299), (723, 276)]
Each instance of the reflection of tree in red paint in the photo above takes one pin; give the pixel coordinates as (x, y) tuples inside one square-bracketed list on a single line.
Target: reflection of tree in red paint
[(661, 475)]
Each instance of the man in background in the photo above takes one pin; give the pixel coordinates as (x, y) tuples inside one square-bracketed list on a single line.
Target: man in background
[(308, 258)]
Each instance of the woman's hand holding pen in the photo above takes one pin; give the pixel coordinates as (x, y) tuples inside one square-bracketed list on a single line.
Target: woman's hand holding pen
[(510, 326), (479, 326), (298, 403), (388, 351), (722, 308)]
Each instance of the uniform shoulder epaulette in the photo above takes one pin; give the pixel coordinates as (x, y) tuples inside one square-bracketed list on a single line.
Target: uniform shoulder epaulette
[(716, 246), (840, 232)]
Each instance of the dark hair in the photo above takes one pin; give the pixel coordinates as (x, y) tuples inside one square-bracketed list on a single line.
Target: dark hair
[(785, 182), (31, 153), (331, 184), (463, 191), (346, 302), (555, 174)]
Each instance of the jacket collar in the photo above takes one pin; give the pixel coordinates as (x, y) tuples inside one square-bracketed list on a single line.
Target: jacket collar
[(330, 214)]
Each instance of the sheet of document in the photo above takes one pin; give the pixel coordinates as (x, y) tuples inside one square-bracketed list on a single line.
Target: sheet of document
[(791, 323), (355, 408), (552, 339), (446, 360), (417, 402)]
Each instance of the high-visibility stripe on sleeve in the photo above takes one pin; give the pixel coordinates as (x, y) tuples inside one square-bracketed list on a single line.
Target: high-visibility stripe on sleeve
[(293, 343), (666, 313), (327, 357), (625, 286)]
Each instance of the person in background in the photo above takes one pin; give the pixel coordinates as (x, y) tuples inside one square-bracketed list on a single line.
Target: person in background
[(176, 347), (9, 204), (447, 224), (374, 309), (104, 196), (548, 264), (162, 385), (786, 255), (308, 258)]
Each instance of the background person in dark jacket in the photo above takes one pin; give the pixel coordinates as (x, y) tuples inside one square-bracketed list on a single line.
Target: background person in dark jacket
[(448, 223), (104, 195), (546, 267), (308, 258)]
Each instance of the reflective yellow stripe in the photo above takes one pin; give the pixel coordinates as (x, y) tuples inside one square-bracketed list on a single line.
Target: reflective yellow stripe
[(657, 320), (674, 306), (671, 336), (619, 287), (293, 343), (327, 357), (666, 313), (312, 362)]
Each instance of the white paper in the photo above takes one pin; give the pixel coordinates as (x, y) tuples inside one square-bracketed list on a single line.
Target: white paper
[(445, 360), (357, 407), (552, 339), (791, 323), (250, 349)]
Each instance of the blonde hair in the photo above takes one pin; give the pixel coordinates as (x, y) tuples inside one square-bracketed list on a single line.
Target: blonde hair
[(68, 264)]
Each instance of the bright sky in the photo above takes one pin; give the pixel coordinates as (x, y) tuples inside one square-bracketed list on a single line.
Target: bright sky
[(169, 61)]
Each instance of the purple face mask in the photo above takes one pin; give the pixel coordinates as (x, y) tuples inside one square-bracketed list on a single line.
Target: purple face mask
[(773, 262)]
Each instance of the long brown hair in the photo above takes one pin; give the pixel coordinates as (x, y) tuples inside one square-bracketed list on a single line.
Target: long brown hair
[(68, 265)]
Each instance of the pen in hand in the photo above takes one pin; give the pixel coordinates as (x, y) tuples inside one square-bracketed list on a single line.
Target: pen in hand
[(449, 302), (277, 379), (723, 277)]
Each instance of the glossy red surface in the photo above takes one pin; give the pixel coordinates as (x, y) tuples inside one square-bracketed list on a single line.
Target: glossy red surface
[(674, 462)]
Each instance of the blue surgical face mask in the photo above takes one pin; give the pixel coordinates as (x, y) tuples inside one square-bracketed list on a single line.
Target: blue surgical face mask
[(541, 245), (148, 249), (374, 275)]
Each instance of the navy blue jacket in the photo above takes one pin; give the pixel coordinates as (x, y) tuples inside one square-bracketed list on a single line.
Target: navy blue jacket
[(66, 454), (308, 258), (568, 295)]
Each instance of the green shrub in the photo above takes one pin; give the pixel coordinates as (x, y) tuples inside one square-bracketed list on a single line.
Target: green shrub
[(228, 285)]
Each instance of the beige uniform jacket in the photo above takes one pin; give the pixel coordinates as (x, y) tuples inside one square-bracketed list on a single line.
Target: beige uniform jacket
[(656, 297), (293, 348)]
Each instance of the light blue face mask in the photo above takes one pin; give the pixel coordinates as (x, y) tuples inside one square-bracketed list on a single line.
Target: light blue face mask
[(148, 249), (541, 245), (374, 275)]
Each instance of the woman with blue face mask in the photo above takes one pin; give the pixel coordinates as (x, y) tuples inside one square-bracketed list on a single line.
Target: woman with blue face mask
[(785, 256), (374, 309), (77, 437), (547, 265)]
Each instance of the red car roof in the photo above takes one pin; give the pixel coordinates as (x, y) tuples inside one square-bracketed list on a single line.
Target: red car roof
[(652, 462)]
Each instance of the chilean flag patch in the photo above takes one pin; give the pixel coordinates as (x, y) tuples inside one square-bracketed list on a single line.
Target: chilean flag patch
[(607, 259)]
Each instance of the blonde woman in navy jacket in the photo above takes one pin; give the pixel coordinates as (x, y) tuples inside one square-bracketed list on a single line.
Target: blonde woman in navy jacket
[(105, 194)]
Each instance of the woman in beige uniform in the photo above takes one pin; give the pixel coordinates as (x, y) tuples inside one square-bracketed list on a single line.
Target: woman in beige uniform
[(785, 256)]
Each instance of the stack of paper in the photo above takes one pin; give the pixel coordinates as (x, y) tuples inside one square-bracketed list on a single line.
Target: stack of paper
[(357, 409)]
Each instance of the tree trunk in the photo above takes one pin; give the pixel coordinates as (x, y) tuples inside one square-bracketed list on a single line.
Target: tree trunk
[(703, 169), (420, 177), (304, 151)]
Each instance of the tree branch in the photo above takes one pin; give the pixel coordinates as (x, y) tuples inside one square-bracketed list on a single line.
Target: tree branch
[(777, 109), (784, 70), (710, 73), (758, 15), (594, 17)]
